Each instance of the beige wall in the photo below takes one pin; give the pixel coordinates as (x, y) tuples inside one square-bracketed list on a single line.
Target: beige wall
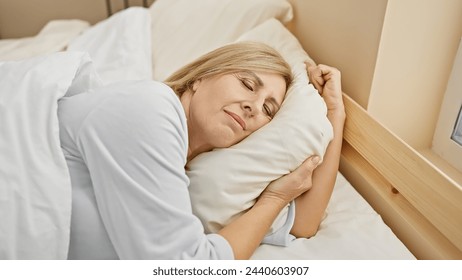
[(21, 18), (395, 55), (348, 38), (417, 49)]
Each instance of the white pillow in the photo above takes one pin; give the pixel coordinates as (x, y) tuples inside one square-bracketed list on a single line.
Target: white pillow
[(183, 29), (120, 46), (226, 182)]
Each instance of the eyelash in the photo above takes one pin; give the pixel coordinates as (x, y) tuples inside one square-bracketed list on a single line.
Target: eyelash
[(247, 84), (268, 111), (266, 108)]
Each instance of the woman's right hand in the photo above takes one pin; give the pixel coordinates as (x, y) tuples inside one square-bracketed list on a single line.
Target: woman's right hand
[(290, 186)]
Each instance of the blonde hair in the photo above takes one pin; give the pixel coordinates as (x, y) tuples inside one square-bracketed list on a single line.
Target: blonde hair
[(232, 58)]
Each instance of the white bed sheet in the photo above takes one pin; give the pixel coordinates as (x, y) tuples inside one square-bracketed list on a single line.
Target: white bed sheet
[(351, 229)]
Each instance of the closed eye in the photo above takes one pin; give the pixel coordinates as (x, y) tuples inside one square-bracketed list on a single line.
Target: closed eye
[(247, 84), (268, 111)]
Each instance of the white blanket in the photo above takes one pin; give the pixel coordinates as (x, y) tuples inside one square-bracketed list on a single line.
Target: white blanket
[(35, 190)]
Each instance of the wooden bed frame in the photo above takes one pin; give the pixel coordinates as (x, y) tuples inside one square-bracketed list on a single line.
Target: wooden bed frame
[(420, 203)]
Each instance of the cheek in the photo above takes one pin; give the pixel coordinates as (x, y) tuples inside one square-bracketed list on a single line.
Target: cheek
[(221, 135), (259, 123), (201, 108)]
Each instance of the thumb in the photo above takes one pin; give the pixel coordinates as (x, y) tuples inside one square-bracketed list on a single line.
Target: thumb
[(311, 163), (308, 166)]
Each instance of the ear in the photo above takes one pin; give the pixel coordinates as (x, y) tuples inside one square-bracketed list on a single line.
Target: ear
[(196, 85)]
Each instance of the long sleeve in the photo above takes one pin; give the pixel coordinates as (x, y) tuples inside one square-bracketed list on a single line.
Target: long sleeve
[(133, 141)]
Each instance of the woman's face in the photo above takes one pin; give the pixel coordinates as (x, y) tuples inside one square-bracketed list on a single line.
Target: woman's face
[(225, 109)]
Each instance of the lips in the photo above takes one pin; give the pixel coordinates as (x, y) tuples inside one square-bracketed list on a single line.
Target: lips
[(238, 119)]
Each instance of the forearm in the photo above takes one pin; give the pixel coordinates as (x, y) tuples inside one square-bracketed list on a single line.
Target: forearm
[(246, 232), (311, 205)]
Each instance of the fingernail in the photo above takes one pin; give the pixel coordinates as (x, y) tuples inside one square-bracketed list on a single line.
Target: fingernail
[(315, 159)]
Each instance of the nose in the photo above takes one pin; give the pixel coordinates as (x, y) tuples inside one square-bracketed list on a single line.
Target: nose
[(249, 108)]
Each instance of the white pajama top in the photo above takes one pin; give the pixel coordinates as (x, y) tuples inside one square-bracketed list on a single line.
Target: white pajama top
[(126, 146)]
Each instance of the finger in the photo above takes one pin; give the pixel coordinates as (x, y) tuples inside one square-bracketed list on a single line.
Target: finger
[(328, 71), (309, 63), (315, 76), (318, 83), (318, 75), (307, 167), (302, 176), (311, 69), (319, 79), (311, 163)]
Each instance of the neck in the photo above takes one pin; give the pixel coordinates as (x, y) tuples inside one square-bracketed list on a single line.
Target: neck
[(196, 144), (195, 147)]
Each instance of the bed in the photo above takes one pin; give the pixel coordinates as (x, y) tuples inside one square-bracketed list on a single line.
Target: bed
[(381, 178)]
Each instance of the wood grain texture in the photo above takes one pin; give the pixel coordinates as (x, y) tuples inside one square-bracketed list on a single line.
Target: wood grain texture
[(433, 197)]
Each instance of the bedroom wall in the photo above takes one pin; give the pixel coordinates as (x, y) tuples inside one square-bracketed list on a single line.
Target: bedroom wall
[(349, 38), (22, 18), (395, 55), (417, 49)]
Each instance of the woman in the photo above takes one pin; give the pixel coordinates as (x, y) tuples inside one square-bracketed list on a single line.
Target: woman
[(126, 146)]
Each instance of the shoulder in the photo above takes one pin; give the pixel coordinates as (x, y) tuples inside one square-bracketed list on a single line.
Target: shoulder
[(130, 107), (130, 113), (144, 103), (140, 100), (145, 99), (147, 93), (152, 103)]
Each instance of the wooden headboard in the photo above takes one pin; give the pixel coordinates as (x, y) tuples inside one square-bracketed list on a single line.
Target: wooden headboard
[(124, 4)]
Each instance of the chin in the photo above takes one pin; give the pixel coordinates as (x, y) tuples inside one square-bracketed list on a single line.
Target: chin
[(222, 134), (224, 139), (225, 144)]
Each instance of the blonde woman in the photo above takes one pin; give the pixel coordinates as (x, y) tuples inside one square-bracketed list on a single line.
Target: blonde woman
[(126, 146)]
